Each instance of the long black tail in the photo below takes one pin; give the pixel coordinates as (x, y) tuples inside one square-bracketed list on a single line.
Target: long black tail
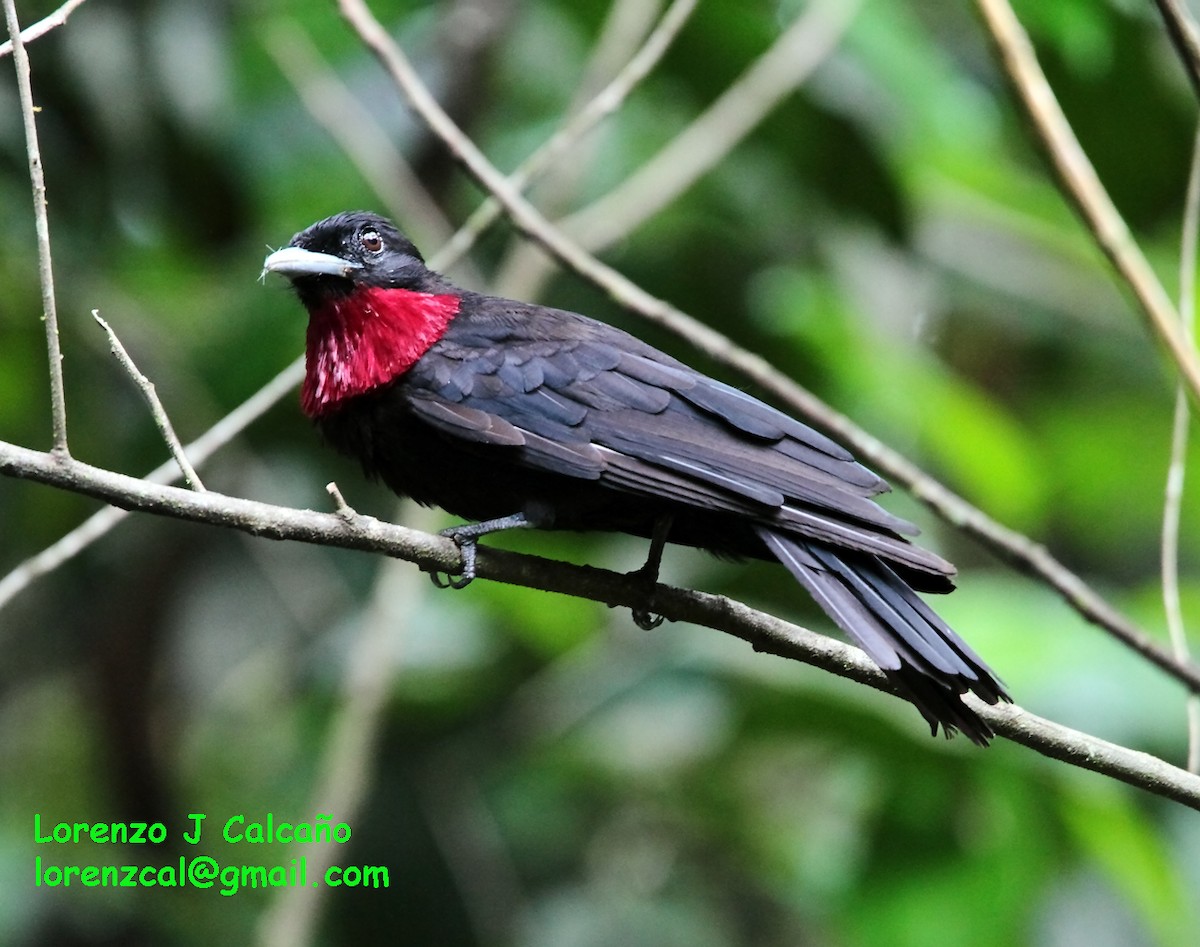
[(927, 662)]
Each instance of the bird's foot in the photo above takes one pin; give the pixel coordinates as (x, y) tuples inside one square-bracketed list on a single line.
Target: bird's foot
[(647, 575), (466, 537), (466, 575), (643, 616), (646, 620)]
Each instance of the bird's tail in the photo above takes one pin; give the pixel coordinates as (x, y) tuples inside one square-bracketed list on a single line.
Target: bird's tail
[(923, 657)]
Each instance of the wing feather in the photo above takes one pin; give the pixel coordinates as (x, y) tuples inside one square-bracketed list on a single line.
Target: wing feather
[(468, 422), (588, 401)]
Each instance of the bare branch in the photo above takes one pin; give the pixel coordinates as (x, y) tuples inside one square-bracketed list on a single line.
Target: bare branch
[(200, 450), (345, 510), (43, 26), (146, 387), (1173, 503), (807, 42), (602, 105), (58, 401), (1185, 37), (1009, 544), (803, 46), (1083, 187), (356, 132), (764, 632)]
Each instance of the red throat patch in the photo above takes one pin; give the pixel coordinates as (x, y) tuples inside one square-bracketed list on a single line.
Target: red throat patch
[(364, 340)]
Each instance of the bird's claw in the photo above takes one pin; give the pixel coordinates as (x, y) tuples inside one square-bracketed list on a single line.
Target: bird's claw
[(646, 575), (466, 547), (449, 582), (646, 619)]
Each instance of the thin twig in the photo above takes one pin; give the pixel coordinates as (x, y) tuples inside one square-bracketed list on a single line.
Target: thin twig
[(764, 632), (157, 411), (805, 44), (356, 131), (58, 401), (1185, 37), (43, 26), (524, 268), (602, 105), (200, 450), (1083, 187), (1017, 549), (344, 509), (1173, 504)]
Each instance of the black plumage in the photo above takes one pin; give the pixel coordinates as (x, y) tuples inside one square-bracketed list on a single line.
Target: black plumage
[(521, 409)]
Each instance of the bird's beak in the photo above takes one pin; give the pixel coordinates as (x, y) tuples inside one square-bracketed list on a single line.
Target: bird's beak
[(295, 261)]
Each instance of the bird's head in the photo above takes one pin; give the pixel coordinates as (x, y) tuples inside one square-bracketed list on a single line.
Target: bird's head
[(373, 306), (348, 251)]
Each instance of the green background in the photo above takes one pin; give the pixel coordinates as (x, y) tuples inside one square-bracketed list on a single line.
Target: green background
[(543, 772)]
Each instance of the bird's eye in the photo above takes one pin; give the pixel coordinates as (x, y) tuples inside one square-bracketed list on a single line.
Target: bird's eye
[(371, 241)]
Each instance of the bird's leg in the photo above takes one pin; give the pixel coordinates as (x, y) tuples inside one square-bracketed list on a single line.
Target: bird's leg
[(648, 573), (465, 538)]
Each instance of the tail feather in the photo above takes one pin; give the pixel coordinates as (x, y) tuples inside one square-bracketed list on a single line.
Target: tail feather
[(923, 657)]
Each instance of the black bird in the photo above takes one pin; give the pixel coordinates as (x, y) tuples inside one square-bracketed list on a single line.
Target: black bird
[(510, 415)]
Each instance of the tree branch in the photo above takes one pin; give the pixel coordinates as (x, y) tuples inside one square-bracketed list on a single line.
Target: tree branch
[(1082, 186), (157, 411), (1177, 466), (1017, 549), (200, 450), (58, 401), (795, 54), (43, 26), (803, 46), (434, 553), (355, 130), (561, 143), (1181, 28)]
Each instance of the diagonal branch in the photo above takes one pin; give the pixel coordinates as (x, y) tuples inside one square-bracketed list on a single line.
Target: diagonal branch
[(602, 105), (763, 632), (805, 44), (42, 26), (157, 411), (200, 450), (359, 135), (58, 401), (1185, 37), (1177, 467), (808, 41), (1015, 548), (1083, 187)]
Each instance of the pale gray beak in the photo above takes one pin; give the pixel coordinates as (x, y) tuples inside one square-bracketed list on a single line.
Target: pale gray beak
[(294, 261)]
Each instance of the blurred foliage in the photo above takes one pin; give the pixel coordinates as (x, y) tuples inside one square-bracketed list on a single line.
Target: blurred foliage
[(545, 774)]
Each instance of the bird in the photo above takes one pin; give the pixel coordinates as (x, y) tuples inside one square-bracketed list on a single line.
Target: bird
[(513, 415)]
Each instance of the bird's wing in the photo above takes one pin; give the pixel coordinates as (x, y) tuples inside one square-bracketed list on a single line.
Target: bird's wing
[(583, 399)]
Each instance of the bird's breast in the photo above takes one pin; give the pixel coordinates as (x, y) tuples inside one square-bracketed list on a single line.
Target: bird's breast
[(362, 341)]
